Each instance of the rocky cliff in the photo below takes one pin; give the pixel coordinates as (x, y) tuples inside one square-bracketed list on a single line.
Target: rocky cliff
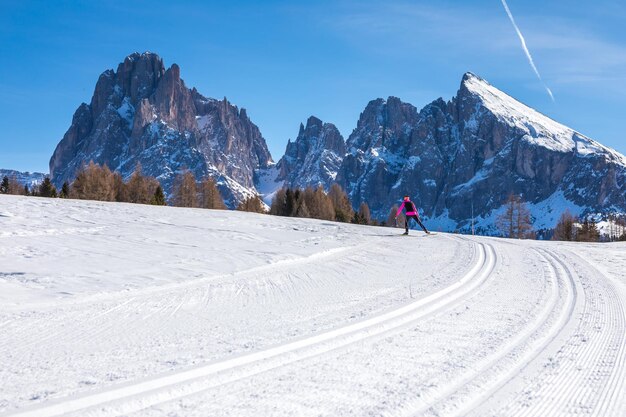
[(143, 113)]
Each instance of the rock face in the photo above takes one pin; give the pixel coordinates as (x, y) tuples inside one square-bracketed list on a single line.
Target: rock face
[(143, 113), (467, 155), (314, 157)]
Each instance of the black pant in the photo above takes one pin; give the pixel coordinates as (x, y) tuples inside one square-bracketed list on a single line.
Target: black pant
[(417, 219)]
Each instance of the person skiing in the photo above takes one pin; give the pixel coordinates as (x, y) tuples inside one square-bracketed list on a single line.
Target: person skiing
[(410, 213)]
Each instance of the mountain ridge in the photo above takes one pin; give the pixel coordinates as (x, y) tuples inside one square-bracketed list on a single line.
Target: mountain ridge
[(464, 156), (456, 157)]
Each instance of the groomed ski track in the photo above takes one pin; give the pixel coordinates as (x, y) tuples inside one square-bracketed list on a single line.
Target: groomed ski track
[(336, 325)]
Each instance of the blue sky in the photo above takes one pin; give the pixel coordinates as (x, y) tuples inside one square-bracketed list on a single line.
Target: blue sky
[(286, 60)]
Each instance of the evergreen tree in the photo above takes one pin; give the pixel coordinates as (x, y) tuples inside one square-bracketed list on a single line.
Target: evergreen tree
[(158, 199), (278, 207), (65, 190), (299, 208), (47, 189), (4, 186), (362, 216), (210, 195), (290, 203), (26, 190)]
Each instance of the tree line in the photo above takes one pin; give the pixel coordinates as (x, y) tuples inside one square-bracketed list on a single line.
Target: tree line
[(572, 229), (10, 185), (516, 222), (315, 203), (98, 182)]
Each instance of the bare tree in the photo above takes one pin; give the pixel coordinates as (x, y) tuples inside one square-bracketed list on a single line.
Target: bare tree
[(515, 221), (185, 191), (565, 228), (391, 218), (119, 188), (318, 204), (10, 185), (341, 203), (621, 227), (252, 204), (140, 189), (210, 197), (93, 182), (588, 231), (523, 222)]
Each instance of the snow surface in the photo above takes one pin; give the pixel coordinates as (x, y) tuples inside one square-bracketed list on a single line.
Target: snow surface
[(111, 309), (267, 183)]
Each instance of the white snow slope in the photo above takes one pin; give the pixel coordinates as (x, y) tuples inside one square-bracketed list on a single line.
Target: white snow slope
[(115, 309)]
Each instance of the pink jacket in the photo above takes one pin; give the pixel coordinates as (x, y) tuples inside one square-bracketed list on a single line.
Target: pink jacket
[(410, 209)]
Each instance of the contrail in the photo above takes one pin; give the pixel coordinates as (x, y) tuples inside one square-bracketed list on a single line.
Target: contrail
[(526, 51)]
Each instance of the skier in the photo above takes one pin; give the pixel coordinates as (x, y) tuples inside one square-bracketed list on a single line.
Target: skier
[(410, 213)]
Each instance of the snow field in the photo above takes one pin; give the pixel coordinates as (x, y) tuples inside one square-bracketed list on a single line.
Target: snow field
[(116, 309)]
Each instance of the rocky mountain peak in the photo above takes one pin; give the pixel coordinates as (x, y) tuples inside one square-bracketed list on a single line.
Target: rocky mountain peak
[(477, 101), (472, 152), (139, 74), (313, 123), (314, 157), (143, 113), (453, 157), (382, 123)]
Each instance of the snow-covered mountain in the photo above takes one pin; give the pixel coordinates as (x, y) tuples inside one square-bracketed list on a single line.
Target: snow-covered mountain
[(24, 178), (314, 158), (457, 158), (145, 114), (467, 155)]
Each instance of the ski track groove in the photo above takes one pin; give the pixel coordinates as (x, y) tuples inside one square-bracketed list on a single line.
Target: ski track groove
[(481, 369), (569, 383), (167, 388)]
